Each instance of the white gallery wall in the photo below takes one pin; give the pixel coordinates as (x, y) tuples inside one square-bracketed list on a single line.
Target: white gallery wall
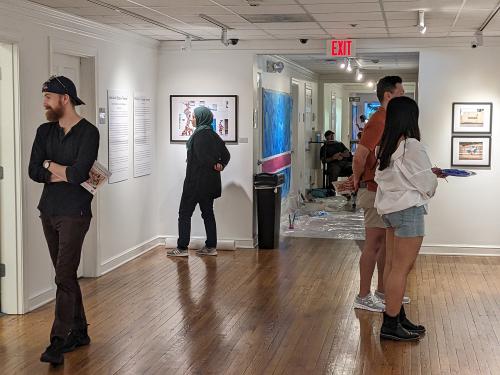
[(127, 209), (134, 215), (464, 212), (222, 72)]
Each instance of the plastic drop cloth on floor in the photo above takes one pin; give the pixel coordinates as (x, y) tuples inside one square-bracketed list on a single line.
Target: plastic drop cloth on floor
[(332, 217)]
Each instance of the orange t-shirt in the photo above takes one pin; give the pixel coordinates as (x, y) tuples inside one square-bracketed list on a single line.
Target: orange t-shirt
[(371, 137)]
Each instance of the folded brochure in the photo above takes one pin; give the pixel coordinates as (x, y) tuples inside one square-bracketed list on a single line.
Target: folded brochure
[(97, 177)]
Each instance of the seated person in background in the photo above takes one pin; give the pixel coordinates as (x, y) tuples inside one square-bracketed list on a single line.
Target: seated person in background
[(337, 157)]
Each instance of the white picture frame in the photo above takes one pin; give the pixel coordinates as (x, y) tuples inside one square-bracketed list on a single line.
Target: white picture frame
[(472, 118), (223, 107), (470, 151)]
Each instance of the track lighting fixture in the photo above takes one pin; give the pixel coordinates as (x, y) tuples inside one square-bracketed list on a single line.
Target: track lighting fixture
[(421, 22), (359, 75), (187, 44)]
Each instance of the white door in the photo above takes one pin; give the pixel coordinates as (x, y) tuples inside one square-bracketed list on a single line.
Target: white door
[(68, 66), (338, 122), (296, 167), (333, 115), (9, 191)]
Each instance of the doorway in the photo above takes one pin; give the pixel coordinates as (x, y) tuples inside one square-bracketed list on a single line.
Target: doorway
[(296, 169), (78, 64), (11, 301)]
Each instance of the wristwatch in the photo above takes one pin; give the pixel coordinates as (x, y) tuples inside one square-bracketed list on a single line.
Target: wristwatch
[(46, 164)]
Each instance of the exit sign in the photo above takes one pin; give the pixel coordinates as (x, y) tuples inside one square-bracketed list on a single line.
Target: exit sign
[(341, 48)]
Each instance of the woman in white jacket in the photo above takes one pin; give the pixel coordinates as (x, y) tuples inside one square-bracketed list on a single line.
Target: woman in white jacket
[(406, 183)]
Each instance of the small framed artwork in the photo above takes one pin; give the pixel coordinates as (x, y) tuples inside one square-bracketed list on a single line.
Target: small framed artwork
[(472, 118), (223, 107), (470, 151)]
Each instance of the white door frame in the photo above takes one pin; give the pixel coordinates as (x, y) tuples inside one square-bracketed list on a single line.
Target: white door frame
[(91, 263), (12, 285), (295, 128)]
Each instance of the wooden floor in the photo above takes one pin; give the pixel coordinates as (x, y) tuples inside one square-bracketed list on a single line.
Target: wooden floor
[(269, 312)]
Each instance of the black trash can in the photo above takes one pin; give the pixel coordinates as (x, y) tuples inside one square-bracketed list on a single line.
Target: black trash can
[(268, 190)]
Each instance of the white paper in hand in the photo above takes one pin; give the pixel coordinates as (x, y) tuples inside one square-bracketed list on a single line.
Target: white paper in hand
[(97, 177)]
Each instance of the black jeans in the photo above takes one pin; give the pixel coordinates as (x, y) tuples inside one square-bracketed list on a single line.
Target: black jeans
[(186, 209), (65, 235), (338, 169)]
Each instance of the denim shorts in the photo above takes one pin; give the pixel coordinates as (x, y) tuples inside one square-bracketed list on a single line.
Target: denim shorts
[(407, 223)]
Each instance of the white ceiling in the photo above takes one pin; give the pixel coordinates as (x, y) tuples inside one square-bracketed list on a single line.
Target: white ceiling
[(400, 62), (333, 18)]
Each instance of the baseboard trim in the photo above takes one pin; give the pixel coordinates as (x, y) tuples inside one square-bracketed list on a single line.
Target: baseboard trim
[(41, 299), (449, 250), (222, 244), (128, 255), (199, 242)]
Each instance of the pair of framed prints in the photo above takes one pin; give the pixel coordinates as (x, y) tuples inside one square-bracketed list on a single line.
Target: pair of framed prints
[(471, 134)]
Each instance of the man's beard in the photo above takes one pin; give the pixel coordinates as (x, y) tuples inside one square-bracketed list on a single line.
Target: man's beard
[(54, 114)]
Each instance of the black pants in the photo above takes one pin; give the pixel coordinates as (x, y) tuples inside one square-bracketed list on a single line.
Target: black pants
[(65, 235), (186, 209), (338, 169)]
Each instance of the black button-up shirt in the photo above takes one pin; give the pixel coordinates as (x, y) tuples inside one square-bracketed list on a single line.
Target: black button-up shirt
[(77, 150)]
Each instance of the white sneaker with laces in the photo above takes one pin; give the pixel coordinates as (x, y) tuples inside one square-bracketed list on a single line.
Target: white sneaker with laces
[(369, 303), (207, 251), (177, 253)]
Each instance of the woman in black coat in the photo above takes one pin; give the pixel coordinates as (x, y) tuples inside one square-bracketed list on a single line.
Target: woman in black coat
[(207, 156)]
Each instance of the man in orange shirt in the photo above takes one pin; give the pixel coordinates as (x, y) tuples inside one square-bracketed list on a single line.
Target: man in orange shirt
[(364, 166)]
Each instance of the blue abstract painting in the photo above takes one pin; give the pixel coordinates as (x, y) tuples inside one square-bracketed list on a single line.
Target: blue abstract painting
[(276, 148)]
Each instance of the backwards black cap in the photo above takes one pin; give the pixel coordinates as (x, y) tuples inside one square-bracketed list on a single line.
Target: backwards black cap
[(63, 86)]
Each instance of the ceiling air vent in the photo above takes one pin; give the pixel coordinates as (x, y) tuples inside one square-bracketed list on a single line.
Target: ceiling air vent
[(277, 18)]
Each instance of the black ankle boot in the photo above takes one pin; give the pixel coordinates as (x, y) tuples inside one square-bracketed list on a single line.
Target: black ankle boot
[(75, 339), (54, 354), (409, 325), (393, 330)]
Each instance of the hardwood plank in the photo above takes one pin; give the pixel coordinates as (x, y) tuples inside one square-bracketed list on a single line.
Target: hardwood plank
[(286, 311)]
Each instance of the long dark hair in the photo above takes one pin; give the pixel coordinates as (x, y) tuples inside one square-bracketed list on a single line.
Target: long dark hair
[(401, 121)]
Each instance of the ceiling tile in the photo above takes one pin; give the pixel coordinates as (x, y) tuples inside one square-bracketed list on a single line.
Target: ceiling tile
[(343, 8)]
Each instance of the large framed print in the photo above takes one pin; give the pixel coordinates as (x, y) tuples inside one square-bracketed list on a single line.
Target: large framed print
[(223, 107), (472, 118), (471, 151)]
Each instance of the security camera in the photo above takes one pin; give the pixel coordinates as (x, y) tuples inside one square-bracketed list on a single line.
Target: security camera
[(477, 40), (303, 41), (234, 41), (274, 67)]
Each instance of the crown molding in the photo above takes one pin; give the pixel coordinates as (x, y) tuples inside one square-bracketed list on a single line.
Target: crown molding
[(53, 19)]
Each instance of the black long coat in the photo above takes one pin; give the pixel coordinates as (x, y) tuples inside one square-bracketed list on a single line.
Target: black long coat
[(202, 180)]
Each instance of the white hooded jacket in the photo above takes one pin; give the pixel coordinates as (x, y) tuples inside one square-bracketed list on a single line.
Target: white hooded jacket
[(408, 181)]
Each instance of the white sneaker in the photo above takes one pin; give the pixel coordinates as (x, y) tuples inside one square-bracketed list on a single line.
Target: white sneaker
[(177, 253), (370, 303), (381, 296), (207, 251)]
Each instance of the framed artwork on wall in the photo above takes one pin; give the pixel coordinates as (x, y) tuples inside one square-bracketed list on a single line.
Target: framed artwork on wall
[(472, 118), (223, 107), (470, 151)]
